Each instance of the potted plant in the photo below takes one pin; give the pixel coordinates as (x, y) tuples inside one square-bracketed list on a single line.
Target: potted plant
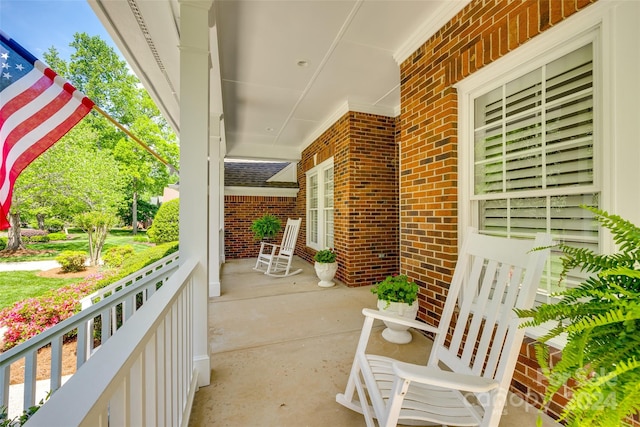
[(326, 267), (266, 227), (397, 295), (601, 320)]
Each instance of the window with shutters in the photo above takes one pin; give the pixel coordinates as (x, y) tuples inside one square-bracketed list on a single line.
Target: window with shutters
[(533, 155), (320, 206)]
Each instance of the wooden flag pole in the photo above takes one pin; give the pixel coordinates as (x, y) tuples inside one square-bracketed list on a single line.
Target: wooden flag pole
[(172, 168)]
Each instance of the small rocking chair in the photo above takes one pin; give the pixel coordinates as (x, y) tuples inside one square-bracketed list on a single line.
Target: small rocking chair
[(467, 377), (275, 260)]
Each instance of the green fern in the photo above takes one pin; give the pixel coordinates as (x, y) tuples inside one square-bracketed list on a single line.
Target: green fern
[(601, 319)]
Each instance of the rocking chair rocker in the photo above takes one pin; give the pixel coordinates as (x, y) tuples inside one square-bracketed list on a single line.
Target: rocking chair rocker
[(275, 260), (467, 377)]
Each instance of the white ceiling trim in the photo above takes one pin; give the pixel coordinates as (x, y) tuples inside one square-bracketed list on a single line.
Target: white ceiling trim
[(429, 28), (260, 191), (344, 109), (372, 109)]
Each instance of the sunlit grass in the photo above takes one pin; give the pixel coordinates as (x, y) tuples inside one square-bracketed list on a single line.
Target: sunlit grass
[(77, 242), (19, 285)]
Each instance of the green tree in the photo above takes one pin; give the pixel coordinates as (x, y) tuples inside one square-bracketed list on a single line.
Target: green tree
[(97, 226), (57, 64), (146, 212), (146, 175), (85, 170), (97, 70), (71, 177)]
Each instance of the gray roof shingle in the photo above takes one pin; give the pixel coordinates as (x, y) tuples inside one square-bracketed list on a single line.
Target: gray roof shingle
[(254, 174)]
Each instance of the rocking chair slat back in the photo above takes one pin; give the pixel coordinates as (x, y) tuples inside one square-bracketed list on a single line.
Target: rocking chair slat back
[(486, 323), (478, 340), (275, 260), (290, 237)]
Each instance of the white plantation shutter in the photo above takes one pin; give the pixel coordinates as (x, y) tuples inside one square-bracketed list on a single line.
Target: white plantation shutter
[(534, 157)]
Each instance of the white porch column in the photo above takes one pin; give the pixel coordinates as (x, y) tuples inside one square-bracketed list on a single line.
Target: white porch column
[(215, 212), (194, 147), (217, 152)]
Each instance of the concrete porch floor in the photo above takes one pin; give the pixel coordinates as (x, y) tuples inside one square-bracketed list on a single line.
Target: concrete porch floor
[(281, 348)]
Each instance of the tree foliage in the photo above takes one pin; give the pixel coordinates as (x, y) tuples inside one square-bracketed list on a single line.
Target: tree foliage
[(71, 177), (96, 167)]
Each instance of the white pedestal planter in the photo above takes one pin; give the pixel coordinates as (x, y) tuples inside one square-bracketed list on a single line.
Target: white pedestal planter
[(398, 334), (326, 273)]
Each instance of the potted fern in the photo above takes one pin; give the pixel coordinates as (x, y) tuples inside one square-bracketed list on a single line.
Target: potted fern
[(266, 227), (398, 295), (326, 267), (601, 319)]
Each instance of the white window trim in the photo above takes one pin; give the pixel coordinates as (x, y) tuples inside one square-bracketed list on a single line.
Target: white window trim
[(555, 42), (560, 40), (318, 170)]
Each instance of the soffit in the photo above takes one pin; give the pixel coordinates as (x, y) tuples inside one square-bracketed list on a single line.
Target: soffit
[(273, 108)]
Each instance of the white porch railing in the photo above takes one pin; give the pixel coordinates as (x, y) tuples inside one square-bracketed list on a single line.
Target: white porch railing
[(126, 296), (134, 279), (144, 375)]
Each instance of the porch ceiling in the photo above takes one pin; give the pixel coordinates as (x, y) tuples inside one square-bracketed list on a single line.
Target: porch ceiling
[(274, 105)]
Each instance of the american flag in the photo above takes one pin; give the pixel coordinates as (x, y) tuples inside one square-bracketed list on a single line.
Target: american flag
[(37, 107)]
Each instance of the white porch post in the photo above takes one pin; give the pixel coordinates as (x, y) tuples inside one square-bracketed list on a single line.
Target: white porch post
[(215, 213), (217, 152), (194, 144)]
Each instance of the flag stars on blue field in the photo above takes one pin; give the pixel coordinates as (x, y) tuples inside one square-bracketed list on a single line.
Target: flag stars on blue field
[(12, 66), (5, 65)]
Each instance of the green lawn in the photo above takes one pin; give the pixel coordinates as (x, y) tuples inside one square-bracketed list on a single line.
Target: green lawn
[(78, 241), (19, 285)]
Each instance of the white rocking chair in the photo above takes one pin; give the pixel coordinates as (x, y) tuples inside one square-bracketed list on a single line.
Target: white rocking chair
[(275, 260), (467, 377)]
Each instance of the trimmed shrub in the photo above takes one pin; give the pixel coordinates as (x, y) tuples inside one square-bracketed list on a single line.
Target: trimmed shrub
[(165, 224), (138, 261), (57, 236), (115, 256), (72, 260), (3, 243), (141, 238), (53, 224), (39, 239), (28, 234)]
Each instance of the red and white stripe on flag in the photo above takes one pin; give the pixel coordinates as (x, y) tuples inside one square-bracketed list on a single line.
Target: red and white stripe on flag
[(37, 108)]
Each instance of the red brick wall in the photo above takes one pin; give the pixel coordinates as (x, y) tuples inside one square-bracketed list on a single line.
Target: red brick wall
[(317, 152), (365, 195), (239, 213), (481, 33)]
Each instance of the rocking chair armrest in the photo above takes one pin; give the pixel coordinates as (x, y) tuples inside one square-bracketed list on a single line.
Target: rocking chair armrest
[(264, 248), (446, 379), (269, 244), (376, 314)]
